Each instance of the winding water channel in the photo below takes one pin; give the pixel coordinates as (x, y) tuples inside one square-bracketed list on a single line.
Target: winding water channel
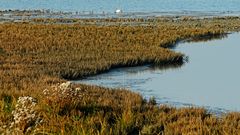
[(210, 79)]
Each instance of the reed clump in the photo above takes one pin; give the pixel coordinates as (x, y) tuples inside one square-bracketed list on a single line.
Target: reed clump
[(36, 59)]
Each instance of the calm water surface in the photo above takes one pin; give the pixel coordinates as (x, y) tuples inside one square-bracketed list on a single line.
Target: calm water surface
[(211, 78), (126, 5)]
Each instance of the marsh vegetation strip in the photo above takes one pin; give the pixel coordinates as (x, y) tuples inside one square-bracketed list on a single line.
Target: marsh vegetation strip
[(209, 79)]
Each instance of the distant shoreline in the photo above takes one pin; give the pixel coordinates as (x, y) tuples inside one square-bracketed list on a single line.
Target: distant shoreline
[(14, 15)]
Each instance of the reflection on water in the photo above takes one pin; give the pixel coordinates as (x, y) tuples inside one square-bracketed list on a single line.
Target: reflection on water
[(211, 78), (206, 38)]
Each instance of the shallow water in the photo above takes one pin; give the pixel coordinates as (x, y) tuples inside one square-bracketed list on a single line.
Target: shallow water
[(99, 6), (210, 79)]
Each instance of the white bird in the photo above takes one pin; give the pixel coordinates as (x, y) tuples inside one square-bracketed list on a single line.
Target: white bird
[(118, 11)]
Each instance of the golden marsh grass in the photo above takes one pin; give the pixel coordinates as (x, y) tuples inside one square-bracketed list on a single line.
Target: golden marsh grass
[(36, 56)]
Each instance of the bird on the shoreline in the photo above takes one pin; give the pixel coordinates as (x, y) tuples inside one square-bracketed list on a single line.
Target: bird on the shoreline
[(118, 11)]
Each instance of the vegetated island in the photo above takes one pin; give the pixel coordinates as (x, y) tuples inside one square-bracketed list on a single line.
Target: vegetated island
[(37, 57)]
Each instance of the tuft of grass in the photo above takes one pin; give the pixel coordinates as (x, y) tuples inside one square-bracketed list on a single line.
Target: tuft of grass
[(152, 101), (7, 103), (2, 51)]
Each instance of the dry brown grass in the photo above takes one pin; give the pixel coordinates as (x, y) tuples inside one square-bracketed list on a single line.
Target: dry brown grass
[(34, 56)]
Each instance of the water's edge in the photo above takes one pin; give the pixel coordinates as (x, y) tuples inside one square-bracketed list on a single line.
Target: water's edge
[(202, 38)]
